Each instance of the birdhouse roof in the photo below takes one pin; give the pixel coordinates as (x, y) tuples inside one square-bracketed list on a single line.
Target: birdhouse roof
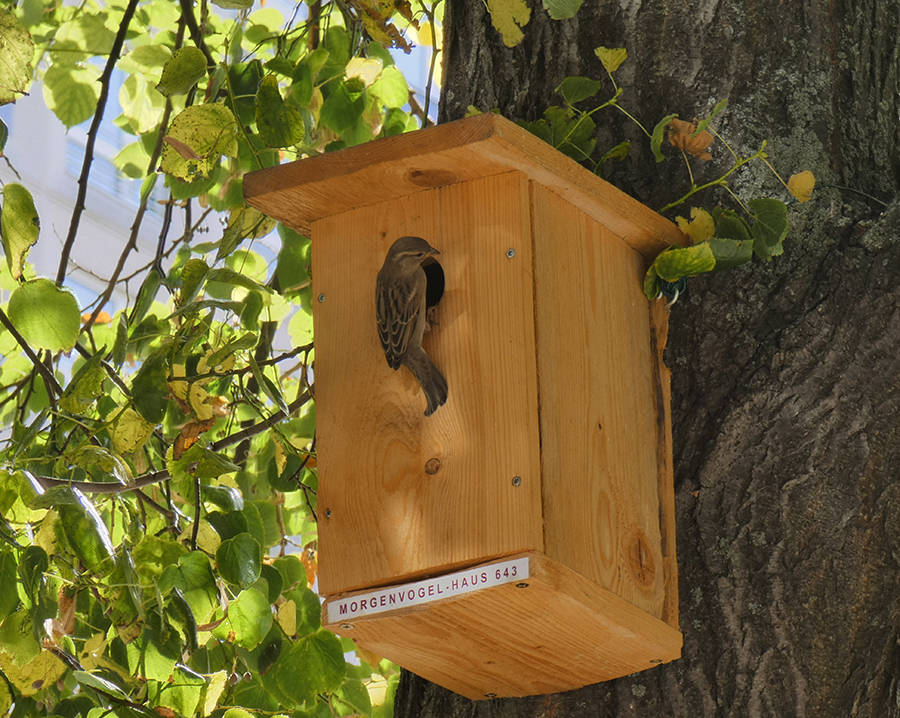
[(303, 192)]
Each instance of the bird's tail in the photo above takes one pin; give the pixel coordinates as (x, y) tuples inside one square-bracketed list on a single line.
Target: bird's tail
[(430, 378)]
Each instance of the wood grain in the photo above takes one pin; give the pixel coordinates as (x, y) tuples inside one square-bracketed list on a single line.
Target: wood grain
[(303, 192), (597, 397), (559, 632), (387, 518)]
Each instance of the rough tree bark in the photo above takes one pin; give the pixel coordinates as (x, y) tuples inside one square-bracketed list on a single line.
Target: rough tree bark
[(786, 376)]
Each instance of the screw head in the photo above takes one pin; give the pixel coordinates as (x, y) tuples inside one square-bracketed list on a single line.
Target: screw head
[(490, 695), (321, 297), (347, 626), (656, 661), (517, 481), (510, 253), (327, 513), (522, 585)]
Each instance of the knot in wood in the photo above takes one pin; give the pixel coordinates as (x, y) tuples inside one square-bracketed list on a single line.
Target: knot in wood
[(432, 466)]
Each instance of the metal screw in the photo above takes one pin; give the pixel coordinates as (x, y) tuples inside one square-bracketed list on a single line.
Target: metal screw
[(322, 297), (517, 480), (490, 695), (327, 513), (510, 253), (347, 626), (656, 661), (522, 585)]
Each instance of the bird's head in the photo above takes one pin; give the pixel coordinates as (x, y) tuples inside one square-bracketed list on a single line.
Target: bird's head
[(410, 252)]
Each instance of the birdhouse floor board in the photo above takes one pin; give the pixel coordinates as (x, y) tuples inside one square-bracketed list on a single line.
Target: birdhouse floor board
[(553, 631)]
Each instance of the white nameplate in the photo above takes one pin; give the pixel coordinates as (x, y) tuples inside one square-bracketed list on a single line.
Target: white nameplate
[(431, 589)]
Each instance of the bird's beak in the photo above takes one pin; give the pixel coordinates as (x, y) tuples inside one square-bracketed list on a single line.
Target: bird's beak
[(434, 251)]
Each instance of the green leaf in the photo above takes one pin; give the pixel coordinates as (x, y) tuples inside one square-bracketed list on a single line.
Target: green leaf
[(142, 108), (617, 153), (86, 385), (684, 262), (562, 9), (611, 57), (193, 576), (226, 275), (86, 533), (239, 560), (198, 136), (730, 253), (89, 680), (279, 124), (658, 135), (344, 106), (193, 275), (145, 59), (249, 619), (184, 69), (225, 497), (16, 52), (149, 388), (314, 664), (391, 87), (181, 695), (770, 226), (729, 225), (4, 136), (9, 599), (704, 123), (269, 387), (71, 91), (20, 224), (234, 4), (576, 89), (45, 315)]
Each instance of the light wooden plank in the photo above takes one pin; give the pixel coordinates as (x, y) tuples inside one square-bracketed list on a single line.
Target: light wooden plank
[(382, 518), (303, 192), (597, 398), (558, 633)]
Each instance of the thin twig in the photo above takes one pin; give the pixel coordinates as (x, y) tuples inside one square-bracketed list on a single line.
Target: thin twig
[(53, 387), (105, 80)]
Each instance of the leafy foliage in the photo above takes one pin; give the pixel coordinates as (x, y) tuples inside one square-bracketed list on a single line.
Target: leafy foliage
[(158, 484)]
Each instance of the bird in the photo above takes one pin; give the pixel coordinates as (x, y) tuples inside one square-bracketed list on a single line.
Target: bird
[(400, 311)]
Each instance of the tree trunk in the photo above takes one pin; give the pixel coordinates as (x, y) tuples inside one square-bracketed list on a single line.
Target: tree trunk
[(786, 375)]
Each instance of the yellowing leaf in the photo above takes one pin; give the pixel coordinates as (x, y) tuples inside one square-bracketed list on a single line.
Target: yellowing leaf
[(611, 57), (287, 617), (509, 17), (700, 227), (801, 185)]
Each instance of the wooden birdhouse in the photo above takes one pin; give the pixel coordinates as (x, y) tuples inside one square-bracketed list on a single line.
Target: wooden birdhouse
[(520, 540)]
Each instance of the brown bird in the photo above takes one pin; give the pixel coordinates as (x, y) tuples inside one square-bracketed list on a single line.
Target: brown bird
[(400, 309)]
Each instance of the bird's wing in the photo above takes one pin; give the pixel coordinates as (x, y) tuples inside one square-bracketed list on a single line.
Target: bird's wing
[(397, 311)]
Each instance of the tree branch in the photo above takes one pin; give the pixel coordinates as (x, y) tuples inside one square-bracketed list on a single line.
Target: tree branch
[(53, 387), (105, 79)]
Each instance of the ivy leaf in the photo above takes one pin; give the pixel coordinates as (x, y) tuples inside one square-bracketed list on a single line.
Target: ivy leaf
[(21, 226), (16, 52), (658, 135), (182, 71), (508, 18), (703, 124), (611, 57), (562, 9), (46, 315), (210, 131), (684, 262), (576, 89), (279, 124), (770, 226)]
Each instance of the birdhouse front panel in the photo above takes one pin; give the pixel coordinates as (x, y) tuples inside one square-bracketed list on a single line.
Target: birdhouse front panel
[(404, 495)]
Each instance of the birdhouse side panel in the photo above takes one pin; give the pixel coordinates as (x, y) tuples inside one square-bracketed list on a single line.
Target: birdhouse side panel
[(597, 397), (403, 495)]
